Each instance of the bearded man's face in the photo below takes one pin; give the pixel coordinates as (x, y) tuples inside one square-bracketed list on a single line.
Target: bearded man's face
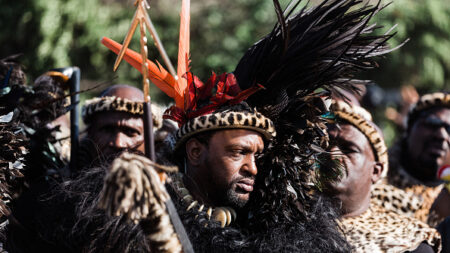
[(225, 167)]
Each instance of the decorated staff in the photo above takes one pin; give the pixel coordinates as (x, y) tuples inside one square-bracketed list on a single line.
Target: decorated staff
[(148, 202), (71, 76)]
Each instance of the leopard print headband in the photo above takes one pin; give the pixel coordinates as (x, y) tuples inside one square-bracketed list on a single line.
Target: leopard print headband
[(117, 104), (362, 119), (437, 99), (226, 120)]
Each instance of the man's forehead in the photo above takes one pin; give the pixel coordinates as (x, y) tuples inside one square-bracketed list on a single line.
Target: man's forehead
[(441, 113), (237, 133), (243, 137), (348, 133), (124, 91), (112, 117)]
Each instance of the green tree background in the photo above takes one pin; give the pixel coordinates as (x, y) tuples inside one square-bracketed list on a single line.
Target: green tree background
[(57, 33)]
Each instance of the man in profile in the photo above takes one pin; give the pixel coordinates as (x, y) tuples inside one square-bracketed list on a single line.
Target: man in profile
[(358, 145)]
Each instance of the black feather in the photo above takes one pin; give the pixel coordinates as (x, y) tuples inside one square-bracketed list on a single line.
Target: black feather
[(320, 47)]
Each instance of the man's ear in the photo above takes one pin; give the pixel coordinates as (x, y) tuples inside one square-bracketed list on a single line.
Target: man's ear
[(195, 151), (378, 169)]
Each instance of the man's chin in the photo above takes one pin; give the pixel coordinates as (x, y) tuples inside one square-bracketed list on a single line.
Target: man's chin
[(237, 199), (429, 167)]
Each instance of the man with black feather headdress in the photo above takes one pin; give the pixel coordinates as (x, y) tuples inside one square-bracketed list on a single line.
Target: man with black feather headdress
[(315, 48), (303, 53)]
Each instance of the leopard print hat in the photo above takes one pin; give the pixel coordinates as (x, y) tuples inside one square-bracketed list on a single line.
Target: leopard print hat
[(428, 101), (362, 119), (113, 103), (227, 119)]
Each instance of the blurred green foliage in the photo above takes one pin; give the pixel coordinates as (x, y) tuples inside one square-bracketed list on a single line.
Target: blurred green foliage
[(424, 61), (56, 33)]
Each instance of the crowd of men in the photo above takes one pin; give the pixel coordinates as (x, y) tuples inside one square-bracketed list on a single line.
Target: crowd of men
[(298, 166)]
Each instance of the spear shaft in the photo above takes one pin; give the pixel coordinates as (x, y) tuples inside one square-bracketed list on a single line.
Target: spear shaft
[(148, 119), (74, 121), (150, 142)]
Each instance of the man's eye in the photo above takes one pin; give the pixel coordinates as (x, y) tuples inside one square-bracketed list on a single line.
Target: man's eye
[(237, 153), (349, 151), (130, 132)]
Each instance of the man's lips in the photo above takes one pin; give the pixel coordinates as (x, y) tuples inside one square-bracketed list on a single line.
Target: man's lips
[(246, 185)]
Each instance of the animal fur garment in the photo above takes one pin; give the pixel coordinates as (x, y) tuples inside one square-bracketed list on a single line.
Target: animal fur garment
[(379, 230), (112, 103), (133, 188), (70, 221)]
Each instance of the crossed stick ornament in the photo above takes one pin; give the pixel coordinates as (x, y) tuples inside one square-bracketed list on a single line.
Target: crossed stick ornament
[(142, 18)]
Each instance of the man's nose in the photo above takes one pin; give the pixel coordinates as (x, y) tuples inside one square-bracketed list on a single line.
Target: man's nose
[(250, 165), (442, 134), (337, 154), (120, 141)]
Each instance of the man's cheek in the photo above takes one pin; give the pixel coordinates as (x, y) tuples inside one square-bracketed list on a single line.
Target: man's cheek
[(227, 168)]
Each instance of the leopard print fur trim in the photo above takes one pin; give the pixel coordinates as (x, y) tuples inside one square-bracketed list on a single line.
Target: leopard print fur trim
[(428, 194), (413, 202), (379, 230), (112, 103), (226, 120), (397, 200), (437, 99), (361, 119)]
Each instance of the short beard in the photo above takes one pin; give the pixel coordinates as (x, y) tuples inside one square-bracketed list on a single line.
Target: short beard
[(233, 200), (228, 196)]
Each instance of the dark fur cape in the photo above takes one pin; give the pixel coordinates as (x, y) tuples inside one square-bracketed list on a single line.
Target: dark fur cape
[(68, 220)]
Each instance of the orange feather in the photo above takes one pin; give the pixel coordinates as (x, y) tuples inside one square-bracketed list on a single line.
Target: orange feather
[(157, 74), (183, 56)]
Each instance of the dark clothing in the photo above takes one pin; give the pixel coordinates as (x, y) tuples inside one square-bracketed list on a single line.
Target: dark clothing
[(444, 229)]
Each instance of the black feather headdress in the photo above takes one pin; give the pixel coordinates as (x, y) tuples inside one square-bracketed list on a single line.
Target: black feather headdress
[(320, 47), (307, 56)]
